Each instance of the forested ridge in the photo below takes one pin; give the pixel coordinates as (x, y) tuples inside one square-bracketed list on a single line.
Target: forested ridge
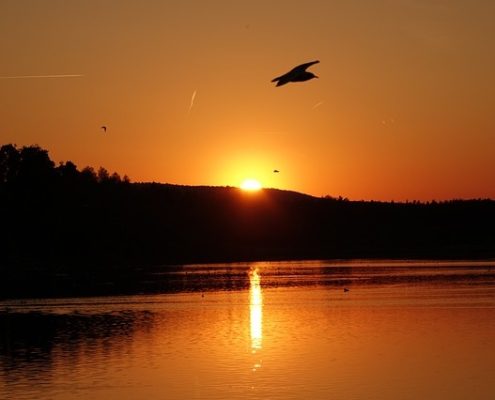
[(67, 227)]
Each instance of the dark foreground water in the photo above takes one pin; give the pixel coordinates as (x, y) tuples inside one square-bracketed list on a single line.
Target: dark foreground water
[(289, 330)]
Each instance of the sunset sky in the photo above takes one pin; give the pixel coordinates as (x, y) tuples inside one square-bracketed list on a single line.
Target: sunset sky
[(404, 108)]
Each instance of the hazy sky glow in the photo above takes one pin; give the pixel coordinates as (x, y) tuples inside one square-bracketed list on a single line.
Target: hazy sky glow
[(403, 108)]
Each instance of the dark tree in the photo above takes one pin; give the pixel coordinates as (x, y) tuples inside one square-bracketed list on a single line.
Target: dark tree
[(35, 166), (10, 160)]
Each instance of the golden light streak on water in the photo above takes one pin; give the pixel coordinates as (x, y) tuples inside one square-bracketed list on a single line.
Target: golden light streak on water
[(255, 310)]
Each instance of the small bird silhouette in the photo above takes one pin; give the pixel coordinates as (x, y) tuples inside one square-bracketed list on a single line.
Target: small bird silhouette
[(346, 289), (276, 171), (297, 74), (104, 128)]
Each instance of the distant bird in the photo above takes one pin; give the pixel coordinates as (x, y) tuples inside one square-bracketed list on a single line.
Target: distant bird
[(297, 74), (346, 289), (276, 171), (104, 128)]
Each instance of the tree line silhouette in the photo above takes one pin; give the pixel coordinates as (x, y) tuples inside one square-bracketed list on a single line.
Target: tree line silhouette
[(66, 231)]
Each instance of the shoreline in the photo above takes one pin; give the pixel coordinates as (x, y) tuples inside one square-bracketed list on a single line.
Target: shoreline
[(173, 278)]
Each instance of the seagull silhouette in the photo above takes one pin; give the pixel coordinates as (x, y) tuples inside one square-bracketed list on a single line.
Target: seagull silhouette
[(297, 74), (276, 171), (104, 128)]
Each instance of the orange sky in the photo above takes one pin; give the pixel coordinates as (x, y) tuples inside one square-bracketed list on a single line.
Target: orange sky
[(403, 108)]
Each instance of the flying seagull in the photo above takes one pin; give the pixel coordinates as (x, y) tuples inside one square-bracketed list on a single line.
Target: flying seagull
[(297, 74), (276, 171), (104, 128)]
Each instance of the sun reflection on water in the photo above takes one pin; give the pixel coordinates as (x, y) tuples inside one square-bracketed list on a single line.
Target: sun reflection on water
[(255, 310)]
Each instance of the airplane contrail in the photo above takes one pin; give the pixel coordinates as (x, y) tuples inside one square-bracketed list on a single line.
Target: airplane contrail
[(192, 101), (317, 104), (41, 76)]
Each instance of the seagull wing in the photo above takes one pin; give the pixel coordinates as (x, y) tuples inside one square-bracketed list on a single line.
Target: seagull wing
[(279, 77), (283, 79), (303, 67)]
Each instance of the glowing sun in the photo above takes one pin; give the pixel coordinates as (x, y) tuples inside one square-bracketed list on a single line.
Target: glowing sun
[(250, 184)]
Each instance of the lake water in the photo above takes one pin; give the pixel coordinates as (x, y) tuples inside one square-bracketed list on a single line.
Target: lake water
[(274, 330)]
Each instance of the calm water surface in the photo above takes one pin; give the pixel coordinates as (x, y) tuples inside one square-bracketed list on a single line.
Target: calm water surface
[(289, 330)]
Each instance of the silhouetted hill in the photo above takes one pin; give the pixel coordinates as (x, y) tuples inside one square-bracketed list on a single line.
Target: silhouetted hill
[(67, 231)]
